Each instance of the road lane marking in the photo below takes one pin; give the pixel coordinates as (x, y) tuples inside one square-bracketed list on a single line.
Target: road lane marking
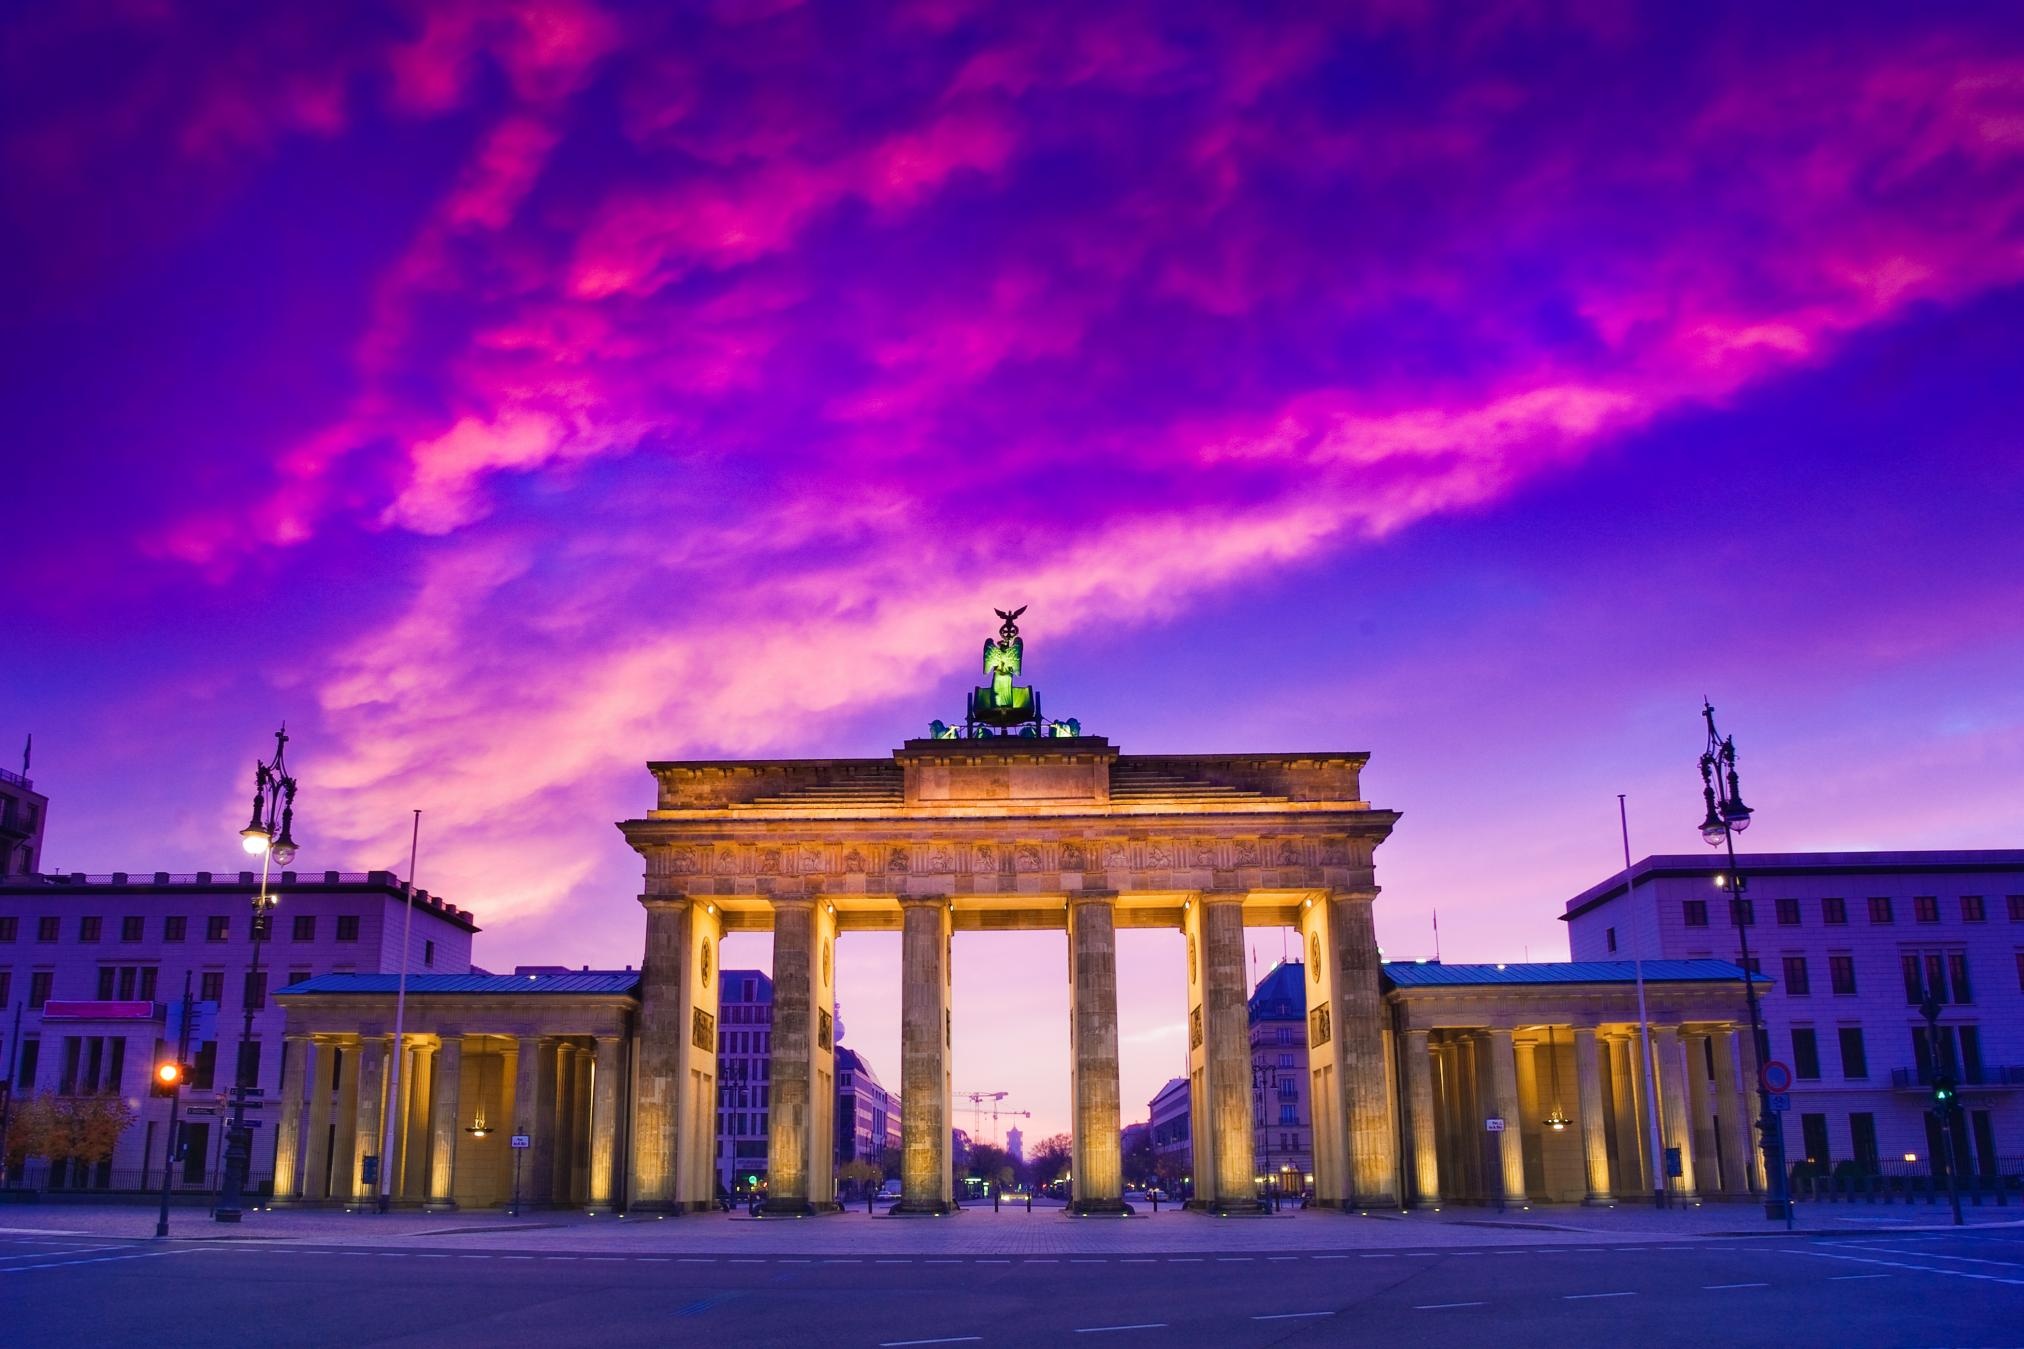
[(102, 1260), (1291, 1316), (1443, 1306), (1142, 1325), (1385, 1256), (1138, 1260), (1716, 1287), (61, 1250), (1941, 1255), (1331, 1257), (1916, 1269), (1584, 1297)]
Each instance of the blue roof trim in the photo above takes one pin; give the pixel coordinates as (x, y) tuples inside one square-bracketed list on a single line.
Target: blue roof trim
[(582, 981), (1430, 974)]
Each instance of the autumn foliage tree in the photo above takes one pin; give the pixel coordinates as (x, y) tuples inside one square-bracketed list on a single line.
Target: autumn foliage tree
[(68, 1128)]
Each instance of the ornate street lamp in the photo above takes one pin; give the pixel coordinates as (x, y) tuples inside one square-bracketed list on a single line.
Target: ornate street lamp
[(270, 836), (1557, 1121), (1727, 817)]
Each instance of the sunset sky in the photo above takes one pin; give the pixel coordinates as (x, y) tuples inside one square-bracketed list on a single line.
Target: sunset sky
[(505, 394)]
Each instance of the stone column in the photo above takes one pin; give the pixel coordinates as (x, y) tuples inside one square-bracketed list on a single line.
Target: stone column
[(1097, 1165), (1421, 1118), (1353, 1134), (604, 1123), (927, 1175), (800, 1142), (445, 1101), (316, 1148), (674, 1128), (297, 1049), (1673, 1104), (563, 1135), (1219, 1054), (415, 1152), (1594, 1128), (372, 1086), (1740, 1169), (1511, 1142), (1623, 1110), (529, 1051), (579, 1114)]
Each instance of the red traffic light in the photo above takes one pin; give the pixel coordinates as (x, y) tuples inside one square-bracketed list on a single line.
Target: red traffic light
[(169, 1077)]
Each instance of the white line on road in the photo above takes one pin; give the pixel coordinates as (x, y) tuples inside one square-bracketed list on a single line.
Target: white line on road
[(1917, 1269), (1941, 1255), (1583, 1297), (1291, 1316), (1331, 1257), (1383, 1256), (1443, 1306), (1138, 1260), (1717, 1287), (1143, 1325), (61, 1250), (100, 1260)]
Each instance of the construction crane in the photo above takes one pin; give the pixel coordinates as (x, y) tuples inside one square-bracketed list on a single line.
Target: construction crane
[(996, 1098)]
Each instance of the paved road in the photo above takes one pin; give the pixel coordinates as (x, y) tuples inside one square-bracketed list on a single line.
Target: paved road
[(1908, 1289)]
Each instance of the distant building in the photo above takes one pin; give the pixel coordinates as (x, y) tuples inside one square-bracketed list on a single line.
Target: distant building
[(1280, 1119), (867, 1115), (1168, 1122), (1015, 1144), (22, 812), (744, 1060), (1852, 943), (92, 966)]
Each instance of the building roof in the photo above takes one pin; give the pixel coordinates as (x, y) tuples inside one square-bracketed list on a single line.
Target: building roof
[(78, 883), (1929, 862), (383, 985), (1282, 994), (1433, 974)]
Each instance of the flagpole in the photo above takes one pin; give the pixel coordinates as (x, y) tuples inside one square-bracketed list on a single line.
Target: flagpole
[(393, 1111), (1644, 1031)]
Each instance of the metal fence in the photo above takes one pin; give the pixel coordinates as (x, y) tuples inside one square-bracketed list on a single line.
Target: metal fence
[(1911, 1183), (41, 1177)]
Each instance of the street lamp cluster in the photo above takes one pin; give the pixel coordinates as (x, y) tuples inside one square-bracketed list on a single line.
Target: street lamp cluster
[(1727, 817), (270, 837)]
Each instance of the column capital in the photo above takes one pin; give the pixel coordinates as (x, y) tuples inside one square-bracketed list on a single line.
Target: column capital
[(1076, 897), (795, 903), (1365, 894), (673, 903), (1419, 1033), (1208, 897), (923, 901)]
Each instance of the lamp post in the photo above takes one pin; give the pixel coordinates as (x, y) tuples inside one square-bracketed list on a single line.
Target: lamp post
[(1727, 817), (1262, 1076), (269, 836)]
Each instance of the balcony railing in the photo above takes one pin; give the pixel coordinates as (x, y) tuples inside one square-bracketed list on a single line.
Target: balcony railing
[(1978, 1075)]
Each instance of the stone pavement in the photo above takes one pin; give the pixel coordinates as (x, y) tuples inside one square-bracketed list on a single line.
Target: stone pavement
[(980, 1232)]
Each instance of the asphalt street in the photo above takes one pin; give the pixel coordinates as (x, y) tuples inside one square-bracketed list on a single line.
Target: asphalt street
[(1899, 1289)]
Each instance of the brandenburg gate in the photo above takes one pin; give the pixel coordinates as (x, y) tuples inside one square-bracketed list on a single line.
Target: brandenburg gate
[(1009, 821)]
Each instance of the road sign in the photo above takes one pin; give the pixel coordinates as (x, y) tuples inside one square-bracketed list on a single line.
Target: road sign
[(1780, 1101), (200, 1110), (1775, 1076), (1494, 1124), (522, 1141)]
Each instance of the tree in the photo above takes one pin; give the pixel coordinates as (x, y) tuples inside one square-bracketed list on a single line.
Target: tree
[(991, 1164), (1141, 1164), (1047, 1160), (863, 1176), (68, 1128)]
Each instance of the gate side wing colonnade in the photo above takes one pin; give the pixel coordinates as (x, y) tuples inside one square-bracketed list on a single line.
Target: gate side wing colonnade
[(1005, 833)]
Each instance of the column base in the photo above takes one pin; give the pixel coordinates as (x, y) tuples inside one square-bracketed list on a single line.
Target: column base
[(903, 1210), (1599, 1201), (1099, 1208), (794, 1208), (1230, 1208), (439, 1206)]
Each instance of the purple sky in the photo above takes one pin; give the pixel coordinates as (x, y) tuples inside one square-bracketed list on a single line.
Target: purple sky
[(506, 394)]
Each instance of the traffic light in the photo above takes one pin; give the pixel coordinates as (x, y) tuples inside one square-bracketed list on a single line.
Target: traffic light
[(169, 1075), (1943, 1094)]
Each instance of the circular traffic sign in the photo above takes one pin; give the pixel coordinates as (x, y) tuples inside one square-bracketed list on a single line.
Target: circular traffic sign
[(1776, 1077)]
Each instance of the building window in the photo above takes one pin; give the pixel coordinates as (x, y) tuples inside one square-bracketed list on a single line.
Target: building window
[(1833, 911), (204, 1067), (211, 986), (45, 928), (1796, 982), (130, 927), (39, 984), (1972, 910), (6, 986), (429, 953), (1609, 936), (106, 976), (255, 990), (1841, 973), (1854, 1058), (89, 927), (2016, 904), (303, 928), (175, 927), (217, 927), (347, 927), (31, 1055), (1742, 913), (1694, 912), (1805, 1054), (1957, 976), (2020, 970), (1862, 1140), (8, 924), (1880, 910), (1788, 912), (1926, 908), (1289, 1114)]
